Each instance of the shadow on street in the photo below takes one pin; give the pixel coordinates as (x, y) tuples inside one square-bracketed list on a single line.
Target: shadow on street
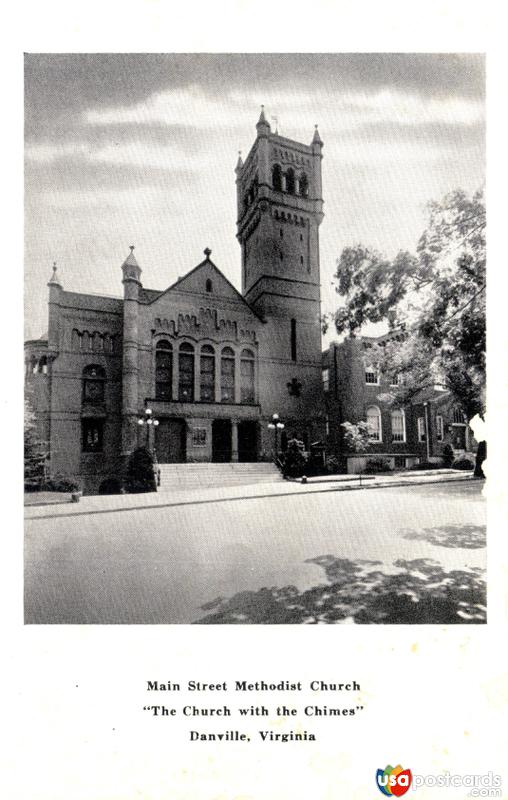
[(469, 537), (419, 592)]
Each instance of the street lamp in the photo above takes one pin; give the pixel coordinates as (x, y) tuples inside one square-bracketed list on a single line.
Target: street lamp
[(276, 425), (149, 421)]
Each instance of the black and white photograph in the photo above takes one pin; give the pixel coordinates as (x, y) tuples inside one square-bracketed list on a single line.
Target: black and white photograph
[(255, 339)]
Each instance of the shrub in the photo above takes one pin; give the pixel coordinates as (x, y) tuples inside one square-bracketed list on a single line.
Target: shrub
[(332, 465), (294, 460), (375, 465), (110, 486), (463, 463), (140, 475), (448, 455), (426, 465), (60, 485)]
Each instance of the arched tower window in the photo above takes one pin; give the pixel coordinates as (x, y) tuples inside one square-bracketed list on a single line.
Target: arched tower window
[(277, 178), (94, 379), (290, 181), (247, 384), (209, 286), (304, 185), (227, 376), (374, 420), (43, 365), (186, 373), (163, 370), (207, 374)]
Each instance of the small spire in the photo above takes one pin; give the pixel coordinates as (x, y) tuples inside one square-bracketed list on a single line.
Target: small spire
[(54, 280), (316, 138), (262, 123), (239, 163), (130, 261), (207, 253)]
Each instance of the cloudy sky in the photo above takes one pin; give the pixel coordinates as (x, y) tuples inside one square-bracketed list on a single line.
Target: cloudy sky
[(141, 149)]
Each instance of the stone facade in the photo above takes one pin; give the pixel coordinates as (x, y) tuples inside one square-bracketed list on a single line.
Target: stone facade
[(418, 432), (211, 364)]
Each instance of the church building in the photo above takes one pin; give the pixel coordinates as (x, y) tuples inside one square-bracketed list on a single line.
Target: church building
[(208, 365)]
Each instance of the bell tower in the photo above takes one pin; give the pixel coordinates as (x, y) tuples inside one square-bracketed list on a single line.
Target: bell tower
[(280, 209)]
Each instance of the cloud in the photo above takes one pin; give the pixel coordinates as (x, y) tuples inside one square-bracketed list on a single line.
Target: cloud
[(336, 110)]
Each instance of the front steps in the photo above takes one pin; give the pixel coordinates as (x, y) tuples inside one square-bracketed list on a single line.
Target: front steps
[(180, 477)]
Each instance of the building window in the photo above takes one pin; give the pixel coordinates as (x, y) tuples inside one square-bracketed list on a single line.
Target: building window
[(277, 178), (374, 420), (94, 379), (163, 371), (421, 429), (396, 380), (439, 428), (186, 373), (304, 186), (207, 374), (92, 435), (247, 388), (326, 379), (290, 181), (293, 340), (372, 376), (458, 416), (398, 425), (208, 286), (227, 376)]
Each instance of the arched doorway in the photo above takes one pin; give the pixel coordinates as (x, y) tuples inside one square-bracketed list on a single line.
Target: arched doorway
[(247, 441)]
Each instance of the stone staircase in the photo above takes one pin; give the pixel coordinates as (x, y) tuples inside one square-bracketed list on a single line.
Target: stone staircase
[(181, 477)]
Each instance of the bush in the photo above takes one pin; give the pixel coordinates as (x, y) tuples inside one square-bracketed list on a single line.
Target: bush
[(463, 463), (110, 486), (58, 484), (426, 465), (140, 475), (294, 460), (448, 455), (332, 465), (375, 465)]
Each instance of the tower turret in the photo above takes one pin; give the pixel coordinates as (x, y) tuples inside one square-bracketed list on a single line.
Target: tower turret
[(131, 283)]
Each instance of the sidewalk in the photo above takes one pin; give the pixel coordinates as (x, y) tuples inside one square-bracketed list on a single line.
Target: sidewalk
[(103, 504)]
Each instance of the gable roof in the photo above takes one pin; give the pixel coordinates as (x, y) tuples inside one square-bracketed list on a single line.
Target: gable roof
[(179, 284)]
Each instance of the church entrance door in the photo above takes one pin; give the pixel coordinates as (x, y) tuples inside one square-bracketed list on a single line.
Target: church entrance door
[(247, 441), (221, 440), (170, 445)]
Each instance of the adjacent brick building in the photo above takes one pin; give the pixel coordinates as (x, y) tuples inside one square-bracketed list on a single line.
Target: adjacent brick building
[(355, 390)]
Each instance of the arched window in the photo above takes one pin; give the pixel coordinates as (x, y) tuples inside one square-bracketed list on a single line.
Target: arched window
[(374, 420), (94, 379), (207, 374), (209, 286), (304, 185), (458, 416), (277, 178), (97, 342), (290, 181), (247, 388), (186, 373), (163, 370), (227, 376), (398, 425), (43, 365)]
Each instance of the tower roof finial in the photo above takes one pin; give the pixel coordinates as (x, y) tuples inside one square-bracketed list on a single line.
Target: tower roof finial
[(239, 163), (54, 280), (262, 122), (316, 139), (207, 253)]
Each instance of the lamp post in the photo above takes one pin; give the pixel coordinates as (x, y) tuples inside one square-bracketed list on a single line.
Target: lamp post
[(149, 421), (276, 425), (426, 420)]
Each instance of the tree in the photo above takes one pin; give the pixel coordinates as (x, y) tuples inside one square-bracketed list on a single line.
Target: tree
[(433, 302), (140, 472), (357, 436), (35, 450)]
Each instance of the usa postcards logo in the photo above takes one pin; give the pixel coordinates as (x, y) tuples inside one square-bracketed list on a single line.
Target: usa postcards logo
[(393, 781)]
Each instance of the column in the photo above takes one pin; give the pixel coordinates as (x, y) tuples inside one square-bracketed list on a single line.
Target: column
[(234, 440)]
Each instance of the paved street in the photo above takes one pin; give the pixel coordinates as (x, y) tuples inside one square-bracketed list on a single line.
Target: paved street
[(397, 555)]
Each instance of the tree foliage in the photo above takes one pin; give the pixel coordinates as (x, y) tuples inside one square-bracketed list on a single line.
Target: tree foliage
[(433, 302), (357, 436), (35, 450)]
